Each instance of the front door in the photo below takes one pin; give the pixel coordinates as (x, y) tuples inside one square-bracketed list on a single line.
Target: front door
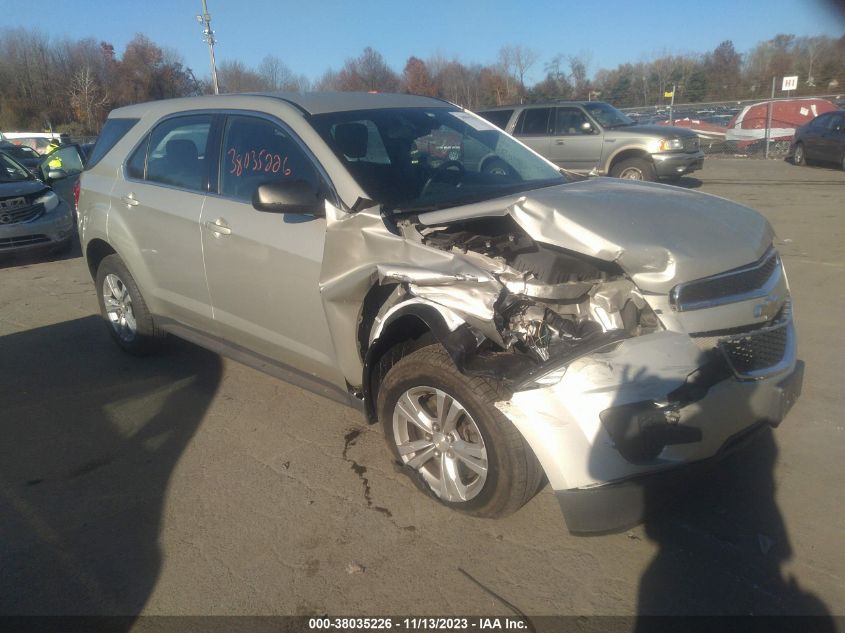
[(577, 143), (60, 169), (264, 268)]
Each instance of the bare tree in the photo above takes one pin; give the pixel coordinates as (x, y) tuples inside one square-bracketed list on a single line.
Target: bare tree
[(88, 99)]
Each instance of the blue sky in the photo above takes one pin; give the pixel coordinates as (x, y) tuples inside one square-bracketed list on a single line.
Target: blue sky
[(314, 35)]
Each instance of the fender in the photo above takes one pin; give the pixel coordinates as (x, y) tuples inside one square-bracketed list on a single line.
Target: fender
[(445, 326)]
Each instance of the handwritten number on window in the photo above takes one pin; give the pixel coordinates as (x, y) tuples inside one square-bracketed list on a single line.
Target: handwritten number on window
[(256, 162)]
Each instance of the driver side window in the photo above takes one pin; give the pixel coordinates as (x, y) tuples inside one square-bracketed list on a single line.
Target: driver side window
[(570, 121), (257, 151)]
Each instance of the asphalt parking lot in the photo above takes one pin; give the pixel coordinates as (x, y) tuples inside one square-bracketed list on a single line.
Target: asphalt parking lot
[(190, 484)]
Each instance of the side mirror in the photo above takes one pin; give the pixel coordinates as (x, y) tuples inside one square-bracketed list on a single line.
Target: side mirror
[(56, 174), (288, 196), (586, 126)]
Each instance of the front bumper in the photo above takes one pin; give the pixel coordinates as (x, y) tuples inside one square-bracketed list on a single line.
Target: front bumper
[(47, 231), (677, 164), (586, 456)]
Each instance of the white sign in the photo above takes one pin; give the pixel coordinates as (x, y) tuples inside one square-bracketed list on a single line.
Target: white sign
[(790, 83)]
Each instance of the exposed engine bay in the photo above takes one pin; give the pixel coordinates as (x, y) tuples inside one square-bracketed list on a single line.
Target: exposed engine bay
[(538, 303)]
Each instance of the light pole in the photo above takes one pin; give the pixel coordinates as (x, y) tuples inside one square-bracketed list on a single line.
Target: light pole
[(208, 36)]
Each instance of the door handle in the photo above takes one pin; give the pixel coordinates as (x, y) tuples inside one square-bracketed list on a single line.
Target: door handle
[(560, 141), (218, 227), (130, 200)]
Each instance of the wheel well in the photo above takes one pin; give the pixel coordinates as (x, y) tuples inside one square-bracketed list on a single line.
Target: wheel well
[(625, 155), (96, 251), (399, 338)]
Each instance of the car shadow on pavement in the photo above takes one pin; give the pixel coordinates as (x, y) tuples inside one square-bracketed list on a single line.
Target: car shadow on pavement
[(687, 182), (90, 439), (721, 537)]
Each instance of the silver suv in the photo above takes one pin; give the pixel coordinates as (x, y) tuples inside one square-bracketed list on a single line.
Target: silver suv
[(591, 136), (508, 325)]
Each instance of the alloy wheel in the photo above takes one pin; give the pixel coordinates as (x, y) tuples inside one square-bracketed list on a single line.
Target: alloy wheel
[(118, 305), (632, 173), (436, 436)]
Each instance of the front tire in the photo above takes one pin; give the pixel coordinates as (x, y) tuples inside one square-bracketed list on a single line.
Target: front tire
[(798, 155), (124, 310), (634, 169), (443, 427)]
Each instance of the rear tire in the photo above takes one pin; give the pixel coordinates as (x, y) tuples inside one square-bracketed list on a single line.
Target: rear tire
[(634, 169), (798, 156), (461, 450), (124, 310)]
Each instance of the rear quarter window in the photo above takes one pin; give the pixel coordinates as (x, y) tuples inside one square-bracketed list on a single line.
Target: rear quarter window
[(112, 132)]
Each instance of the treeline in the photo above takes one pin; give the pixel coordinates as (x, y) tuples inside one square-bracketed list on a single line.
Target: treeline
[(72, 84)]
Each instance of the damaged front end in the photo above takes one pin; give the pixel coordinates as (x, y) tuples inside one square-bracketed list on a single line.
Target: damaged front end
[(528, 311), (603, 368)]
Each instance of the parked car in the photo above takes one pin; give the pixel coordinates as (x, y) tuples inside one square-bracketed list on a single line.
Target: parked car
[(32, 215), (39, 141), (23, 154), (507, 325), (822, 140), (583, 136)]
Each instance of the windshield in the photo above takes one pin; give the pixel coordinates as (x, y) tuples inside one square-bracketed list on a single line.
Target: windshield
[(607, 115), (20, 152), (419, 159), (11, 171)]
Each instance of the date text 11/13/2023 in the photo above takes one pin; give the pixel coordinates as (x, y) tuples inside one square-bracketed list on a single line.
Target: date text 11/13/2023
[(419, 624)]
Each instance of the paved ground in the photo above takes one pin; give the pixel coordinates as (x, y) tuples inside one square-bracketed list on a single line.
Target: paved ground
[(188, 484)]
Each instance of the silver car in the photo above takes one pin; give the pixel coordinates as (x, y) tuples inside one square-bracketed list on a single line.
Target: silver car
[(506, 324), (592, 136), (34, 216)]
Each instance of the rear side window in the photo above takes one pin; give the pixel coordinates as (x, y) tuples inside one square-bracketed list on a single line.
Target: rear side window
[(533, 121), (499, 118), (256, 151), (820, 122), (178, 152), (138, 161), (112, 132)]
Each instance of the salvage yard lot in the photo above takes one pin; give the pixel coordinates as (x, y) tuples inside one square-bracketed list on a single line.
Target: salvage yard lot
[(190, 484)]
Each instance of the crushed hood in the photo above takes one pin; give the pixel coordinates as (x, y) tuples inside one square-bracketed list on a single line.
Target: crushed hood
[(660, 235)]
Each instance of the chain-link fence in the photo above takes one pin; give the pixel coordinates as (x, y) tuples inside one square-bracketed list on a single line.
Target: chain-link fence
[(741, 128)]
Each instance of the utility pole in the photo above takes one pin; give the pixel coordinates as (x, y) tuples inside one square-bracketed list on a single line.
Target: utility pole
[(672, 106), (769, 116), (208, 36)]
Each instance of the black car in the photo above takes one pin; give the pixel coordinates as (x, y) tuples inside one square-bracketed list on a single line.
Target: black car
[(23, 154), (822, 140)]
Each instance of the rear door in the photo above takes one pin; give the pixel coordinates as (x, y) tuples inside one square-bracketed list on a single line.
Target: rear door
[(535, 127), (577, 143), (813, 137), (156, 209), (830, 144), (264, 268)]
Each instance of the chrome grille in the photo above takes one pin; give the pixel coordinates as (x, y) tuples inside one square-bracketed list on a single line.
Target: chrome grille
[(22, 240), (734, 285)]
